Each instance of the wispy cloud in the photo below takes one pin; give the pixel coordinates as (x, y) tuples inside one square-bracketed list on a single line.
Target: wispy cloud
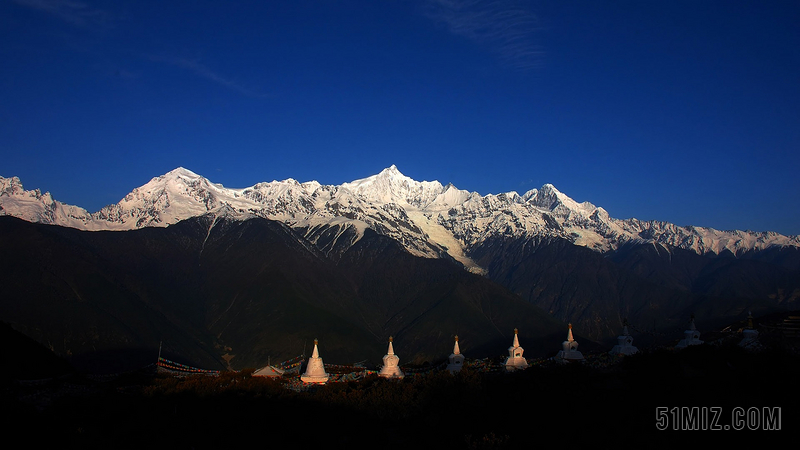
[(74, 12), (503, 26), (203, 71)]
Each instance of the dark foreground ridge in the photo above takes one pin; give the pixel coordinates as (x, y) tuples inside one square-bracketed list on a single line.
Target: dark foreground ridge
[(612, 404)]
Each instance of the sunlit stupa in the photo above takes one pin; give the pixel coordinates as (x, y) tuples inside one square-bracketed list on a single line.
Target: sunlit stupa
[(569, 349), (456, 359), (315, 372), (515, 360), (391, 367)]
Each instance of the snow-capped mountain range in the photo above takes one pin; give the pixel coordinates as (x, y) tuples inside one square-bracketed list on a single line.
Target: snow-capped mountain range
[(427, 218)]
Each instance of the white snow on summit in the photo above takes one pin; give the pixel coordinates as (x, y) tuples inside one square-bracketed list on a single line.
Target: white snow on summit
[(429, 219), (34, 206), (391, 186)]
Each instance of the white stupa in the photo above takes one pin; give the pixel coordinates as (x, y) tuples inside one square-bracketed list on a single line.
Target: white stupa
[(391, 367), (569, 349), (515, 360), (315, 372), (690, 336), (456, 359), (624, 342), (750, 335)]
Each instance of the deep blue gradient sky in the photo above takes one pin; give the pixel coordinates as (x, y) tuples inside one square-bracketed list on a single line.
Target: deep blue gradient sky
[(683, 111)]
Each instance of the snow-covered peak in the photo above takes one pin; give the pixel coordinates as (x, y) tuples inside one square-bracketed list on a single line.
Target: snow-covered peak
[(547, 197), (530, 194), (391, 186), (551, 199), (176, 182), (181, 172), (392, 171), (388, 177), (34, 206), (450, 197), (10, 186), (166, 199)]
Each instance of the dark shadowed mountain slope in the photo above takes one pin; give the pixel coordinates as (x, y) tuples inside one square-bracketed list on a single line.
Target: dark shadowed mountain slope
[(22, 358), (209, 289), (725, 286), (425, 302), (217, 291), (64, 292), (655, 287)]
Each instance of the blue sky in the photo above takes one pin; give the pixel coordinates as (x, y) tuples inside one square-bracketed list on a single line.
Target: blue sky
[(683, 111)]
